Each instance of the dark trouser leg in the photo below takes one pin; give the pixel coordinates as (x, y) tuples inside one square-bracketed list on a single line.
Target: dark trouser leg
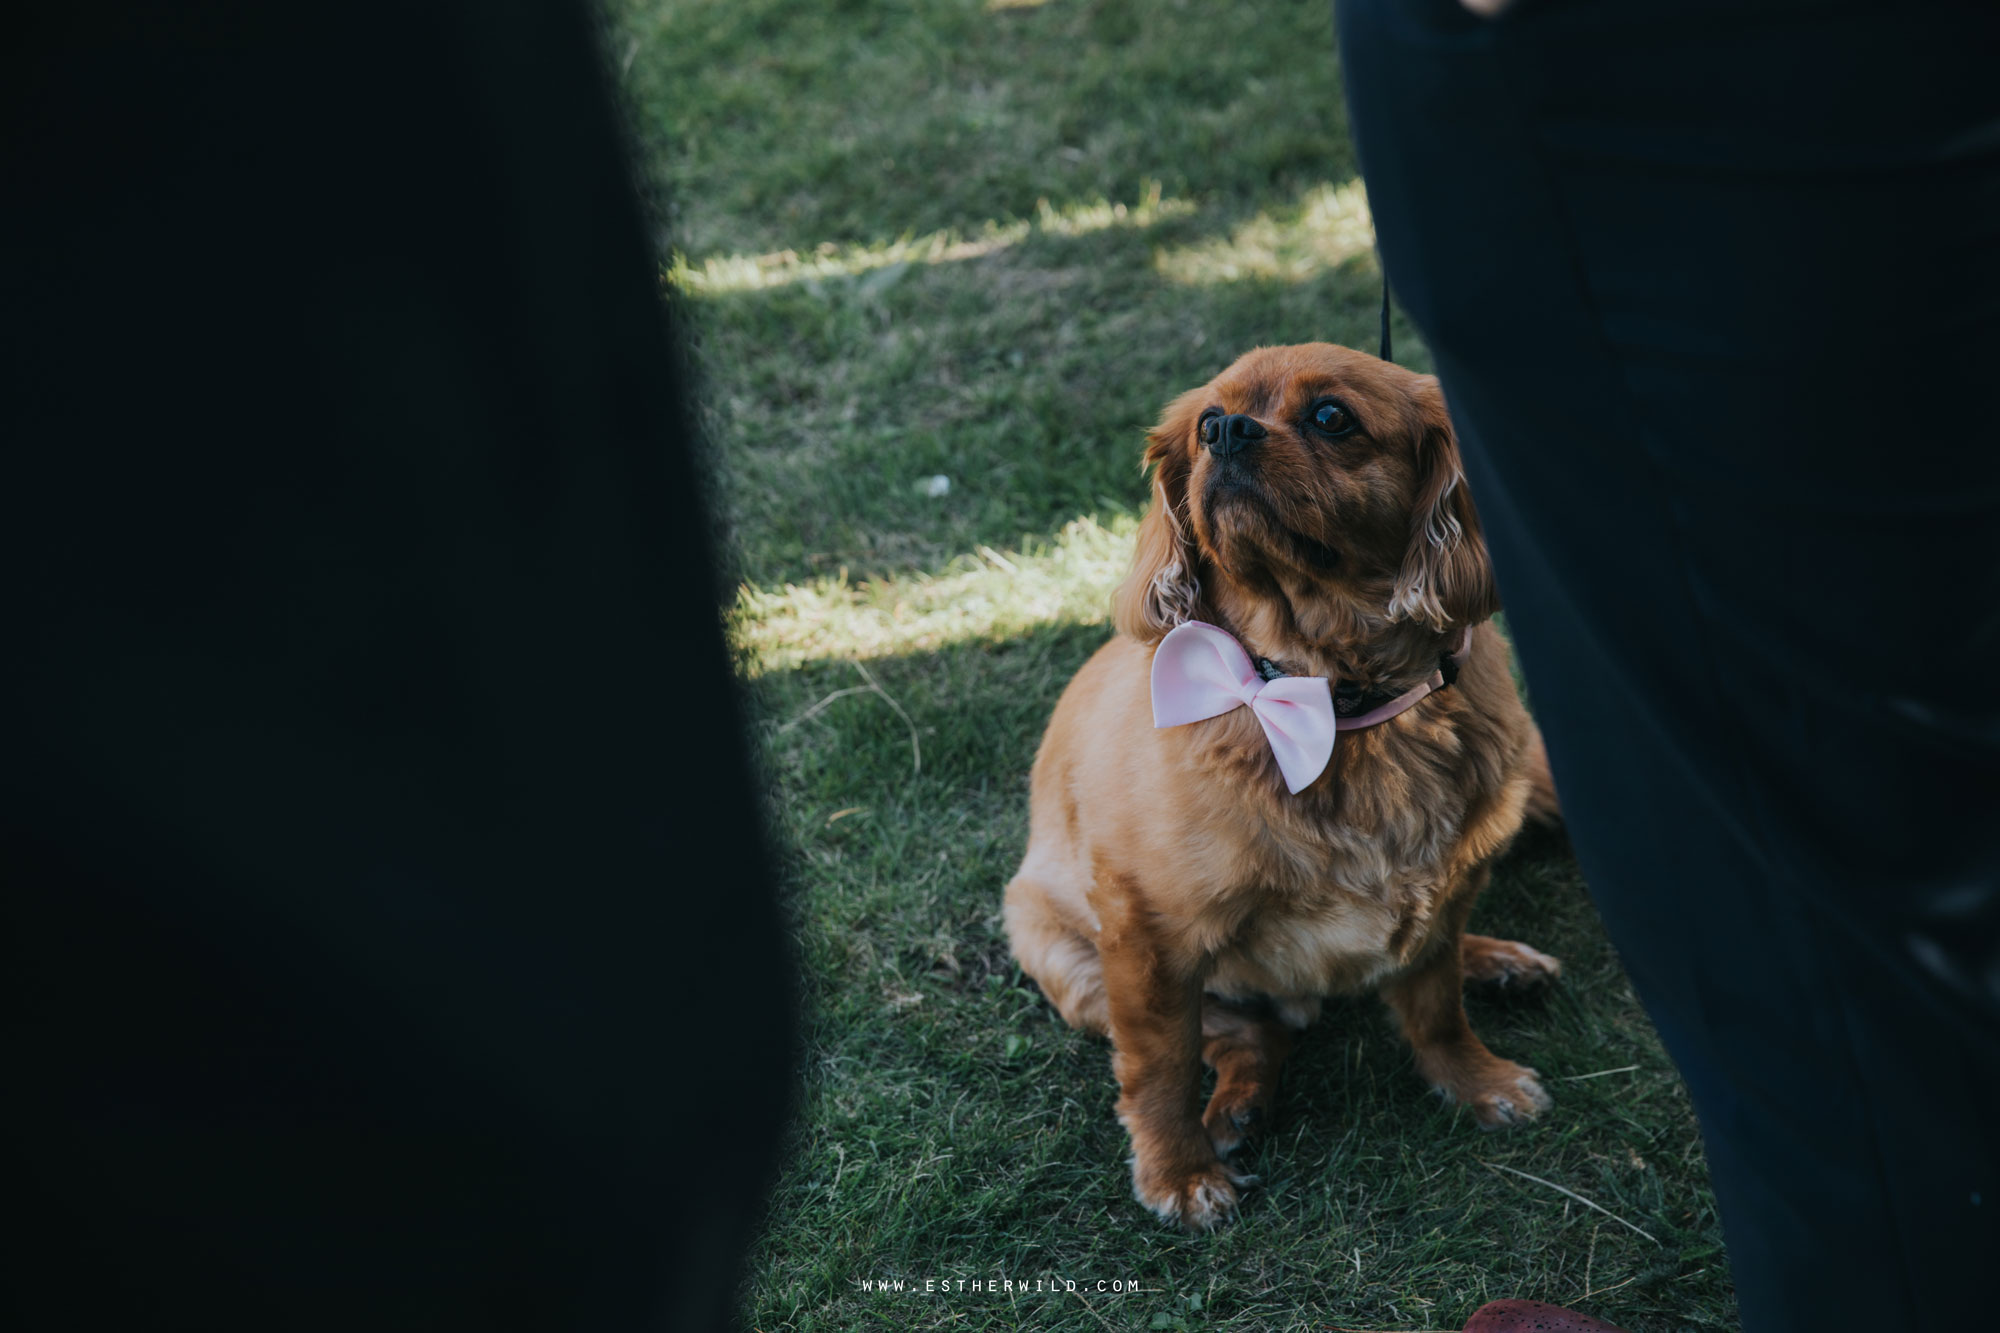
[(1715, 300)]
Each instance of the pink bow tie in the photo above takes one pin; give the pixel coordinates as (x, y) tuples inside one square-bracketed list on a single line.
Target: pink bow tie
[(1200, 672)]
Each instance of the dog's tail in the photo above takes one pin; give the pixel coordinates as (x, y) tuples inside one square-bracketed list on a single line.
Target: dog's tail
[(1544, 806)]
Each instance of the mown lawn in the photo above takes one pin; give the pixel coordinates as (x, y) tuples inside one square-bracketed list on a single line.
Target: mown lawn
[(985, 241)]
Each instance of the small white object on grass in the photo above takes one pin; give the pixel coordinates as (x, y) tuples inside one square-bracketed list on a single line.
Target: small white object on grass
[(937, 487)]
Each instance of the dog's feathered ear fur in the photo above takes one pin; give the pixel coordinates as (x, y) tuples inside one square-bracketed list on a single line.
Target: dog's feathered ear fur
[(1446, 578), (1162, 590)]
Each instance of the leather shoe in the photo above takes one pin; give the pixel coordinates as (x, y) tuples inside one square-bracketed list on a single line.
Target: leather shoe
[(1533, 1317)]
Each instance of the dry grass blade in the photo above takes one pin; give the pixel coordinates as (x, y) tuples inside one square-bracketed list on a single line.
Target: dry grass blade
[(1579, 1198), (1093, 1311), (872, 686), (821, 706), (916, 749)]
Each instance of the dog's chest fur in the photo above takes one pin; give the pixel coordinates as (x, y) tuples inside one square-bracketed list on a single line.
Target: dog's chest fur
[(1339, 885)]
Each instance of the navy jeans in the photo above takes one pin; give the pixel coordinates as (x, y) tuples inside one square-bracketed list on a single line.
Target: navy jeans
[(1714, 292)]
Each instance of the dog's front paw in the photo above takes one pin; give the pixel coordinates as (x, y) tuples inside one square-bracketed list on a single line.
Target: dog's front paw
[(1201, 1199), (1505, 1094)]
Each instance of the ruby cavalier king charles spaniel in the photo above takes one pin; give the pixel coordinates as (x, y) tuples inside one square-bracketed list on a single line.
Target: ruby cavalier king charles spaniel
[(1289, 774)]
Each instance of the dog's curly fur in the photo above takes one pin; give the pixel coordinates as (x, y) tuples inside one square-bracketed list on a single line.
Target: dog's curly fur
[(1174, 896)]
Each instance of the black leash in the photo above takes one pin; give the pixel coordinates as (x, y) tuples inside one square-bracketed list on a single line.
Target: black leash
[(1386, 350)]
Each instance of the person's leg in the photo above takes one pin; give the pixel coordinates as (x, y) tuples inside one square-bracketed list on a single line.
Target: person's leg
[(1714, 298), (392, 937)]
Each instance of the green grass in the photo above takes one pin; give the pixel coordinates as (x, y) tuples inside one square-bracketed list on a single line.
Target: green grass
[(942, 238)]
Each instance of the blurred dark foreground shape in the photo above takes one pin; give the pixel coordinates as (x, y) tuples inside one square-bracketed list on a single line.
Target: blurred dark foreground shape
[(1714, 292), (391, 937)]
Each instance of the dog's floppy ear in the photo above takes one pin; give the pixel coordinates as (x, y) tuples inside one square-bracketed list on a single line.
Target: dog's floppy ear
[(1446, 578), (1162, 590)]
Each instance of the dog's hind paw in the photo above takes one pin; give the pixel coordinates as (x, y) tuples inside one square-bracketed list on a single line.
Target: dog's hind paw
[(1506, 963)]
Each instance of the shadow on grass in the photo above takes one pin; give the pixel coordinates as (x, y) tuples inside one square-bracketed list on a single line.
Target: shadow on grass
[(954, 1128), (991, 374), (810, 120)]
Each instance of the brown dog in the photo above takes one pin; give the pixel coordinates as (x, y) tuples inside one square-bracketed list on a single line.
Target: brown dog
[(1175, 895)]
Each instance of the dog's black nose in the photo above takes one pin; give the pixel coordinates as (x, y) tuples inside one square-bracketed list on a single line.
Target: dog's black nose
[(1231, 434)]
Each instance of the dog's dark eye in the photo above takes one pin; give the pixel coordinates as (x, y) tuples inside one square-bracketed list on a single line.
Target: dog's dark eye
[(1206, 428), (1331, 415)]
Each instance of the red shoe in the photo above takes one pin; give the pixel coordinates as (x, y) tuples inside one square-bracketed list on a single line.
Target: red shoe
[(1533, 1317)]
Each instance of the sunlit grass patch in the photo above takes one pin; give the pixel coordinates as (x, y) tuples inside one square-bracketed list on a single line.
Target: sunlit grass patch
[(743, 273), (985, 595), (1330, 227)]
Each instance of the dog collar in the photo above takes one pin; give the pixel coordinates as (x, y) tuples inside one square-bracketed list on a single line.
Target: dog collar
[(1201, 671), (1354, 709)]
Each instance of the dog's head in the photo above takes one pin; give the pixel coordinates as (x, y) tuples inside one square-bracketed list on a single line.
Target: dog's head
[(1308, 493)]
